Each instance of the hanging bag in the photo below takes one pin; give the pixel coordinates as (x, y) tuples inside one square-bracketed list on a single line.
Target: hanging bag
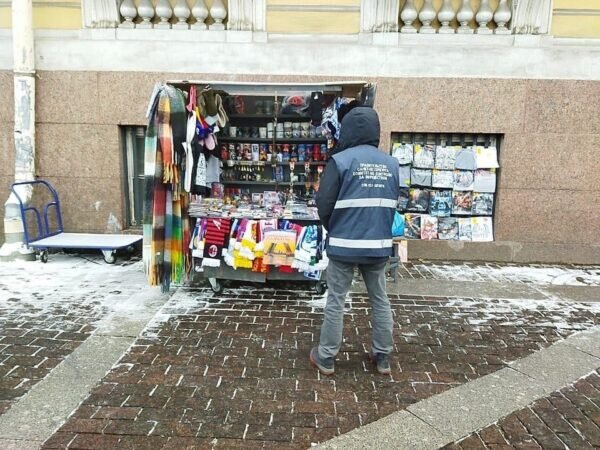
[(398, 225)]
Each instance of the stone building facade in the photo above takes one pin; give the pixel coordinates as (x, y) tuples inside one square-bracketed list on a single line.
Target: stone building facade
[(536, 84)]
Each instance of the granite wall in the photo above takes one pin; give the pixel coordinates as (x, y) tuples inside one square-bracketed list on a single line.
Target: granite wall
[(547, 191)]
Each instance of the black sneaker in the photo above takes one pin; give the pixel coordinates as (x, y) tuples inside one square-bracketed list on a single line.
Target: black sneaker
[(325, 365), (382, 361)]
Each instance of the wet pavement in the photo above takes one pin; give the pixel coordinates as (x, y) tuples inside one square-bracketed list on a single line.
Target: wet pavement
[(231, 370), (48, 310), (567, 419)]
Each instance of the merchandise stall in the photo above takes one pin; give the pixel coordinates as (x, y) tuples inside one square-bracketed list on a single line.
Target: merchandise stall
[(447, 185), (231, 174)]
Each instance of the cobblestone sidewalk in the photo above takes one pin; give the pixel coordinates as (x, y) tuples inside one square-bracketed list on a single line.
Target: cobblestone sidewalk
[(48, 310), (539, 274), (567, 419), (231, 371)]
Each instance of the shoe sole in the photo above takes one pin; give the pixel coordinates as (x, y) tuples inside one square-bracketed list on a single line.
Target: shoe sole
[(326, 372), (381, 371)]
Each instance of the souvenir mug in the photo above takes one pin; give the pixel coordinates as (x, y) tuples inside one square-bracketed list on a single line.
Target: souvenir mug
[(287, 127), (262, 131), (305, 129), (268, 107), (233, 131), (255, 152), (224, 152), (259, 107)]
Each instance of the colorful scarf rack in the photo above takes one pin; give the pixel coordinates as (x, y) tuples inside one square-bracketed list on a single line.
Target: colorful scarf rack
[(166, 224)]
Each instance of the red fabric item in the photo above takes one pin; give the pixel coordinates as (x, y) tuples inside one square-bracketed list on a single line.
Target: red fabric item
[(216, 237)]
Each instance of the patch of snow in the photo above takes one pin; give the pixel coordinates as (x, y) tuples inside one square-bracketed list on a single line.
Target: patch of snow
[(70, 285), (554, 275), (505, 312)]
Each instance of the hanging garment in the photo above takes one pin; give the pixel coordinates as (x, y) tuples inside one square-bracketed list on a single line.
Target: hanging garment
[(448, 228), (445, 157), (166, 226), (465, 159), (189, 153), (442, 178), (213, 170), (404, 172), (485, 180), (463, 180), (486, 157), (420, 177), (215, 240), (198, 176), (305, 254), (424, 156), (403, 153)]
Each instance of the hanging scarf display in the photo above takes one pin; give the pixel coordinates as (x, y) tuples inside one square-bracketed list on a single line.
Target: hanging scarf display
[(166, 229), (182, 162), (279, 248), (215, 240)]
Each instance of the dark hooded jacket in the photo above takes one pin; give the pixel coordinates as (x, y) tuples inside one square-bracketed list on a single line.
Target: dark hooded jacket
[(359, 127)]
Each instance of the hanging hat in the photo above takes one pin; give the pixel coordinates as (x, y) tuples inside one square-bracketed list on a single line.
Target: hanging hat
[(202, 128), (222, 115), (210, 102), (210, 141), (192, 99)]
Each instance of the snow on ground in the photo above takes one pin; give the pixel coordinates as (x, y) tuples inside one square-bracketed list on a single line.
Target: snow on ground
[(555, 275), (69, 283), (551, 312)]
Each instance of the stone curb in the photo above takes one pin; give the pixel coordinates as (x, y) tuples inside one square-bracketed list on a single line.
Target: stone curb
[(46, 406), (454, 414), (37, 415)]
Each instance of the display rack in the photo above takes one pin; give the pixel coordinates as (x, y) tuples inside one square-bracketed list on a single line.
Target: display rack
[(266, 152), (276, 143), (274, 150), (450, 193)]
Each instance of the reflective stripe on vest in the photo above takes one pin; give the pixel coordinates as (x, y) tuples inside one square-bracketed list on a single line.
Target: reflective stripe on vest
[(366, 203), (360, 243)]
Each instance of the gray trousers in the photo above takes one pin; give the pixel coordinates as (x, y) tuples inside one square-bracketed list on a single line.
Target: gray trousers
[(339, 281)]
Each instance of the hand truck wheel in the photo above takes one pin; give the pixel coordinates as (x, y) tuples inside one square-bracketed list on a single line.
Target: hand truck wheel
[(216, 285), (320, 288), (44, 256), (110, 256)]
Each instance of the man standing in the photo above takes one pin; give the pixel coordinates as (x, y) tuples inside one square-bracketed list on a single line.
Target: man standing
[(357, 200)]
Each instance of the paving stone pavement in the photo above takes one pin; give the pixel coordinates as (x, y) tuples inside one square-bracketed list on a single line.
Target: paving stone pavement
[(231, 370), (48, 310), (567, 419), (539, 274)]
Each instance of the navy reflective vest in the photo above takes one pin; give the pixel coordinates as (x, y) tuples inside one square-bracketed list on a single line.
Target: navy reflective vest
[(361, 222)]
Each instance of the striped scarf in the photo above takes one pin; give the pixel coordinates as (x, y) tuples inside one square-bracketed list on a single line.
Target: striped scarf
[(166, 224), (151, 173)]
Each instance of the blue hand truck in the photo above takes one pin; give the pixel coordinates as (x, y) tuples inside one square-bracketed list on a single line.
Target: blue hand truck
[(54, 237)]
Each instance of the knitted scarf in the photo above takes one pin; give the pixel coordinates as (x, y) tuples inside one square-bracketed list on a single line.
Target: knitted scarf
[(151, 173), (169, 234)]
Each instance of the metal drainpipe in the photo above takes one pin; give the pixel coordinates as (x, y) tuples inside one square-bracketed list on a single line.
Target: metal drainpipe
[(24, 132)]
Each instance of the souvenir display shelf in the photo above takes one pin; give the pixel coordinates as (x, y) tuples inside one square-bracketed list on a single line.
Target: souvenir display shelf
[(296, 213), (252, 149), (265, 151), (448, 184), (265, 147)]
